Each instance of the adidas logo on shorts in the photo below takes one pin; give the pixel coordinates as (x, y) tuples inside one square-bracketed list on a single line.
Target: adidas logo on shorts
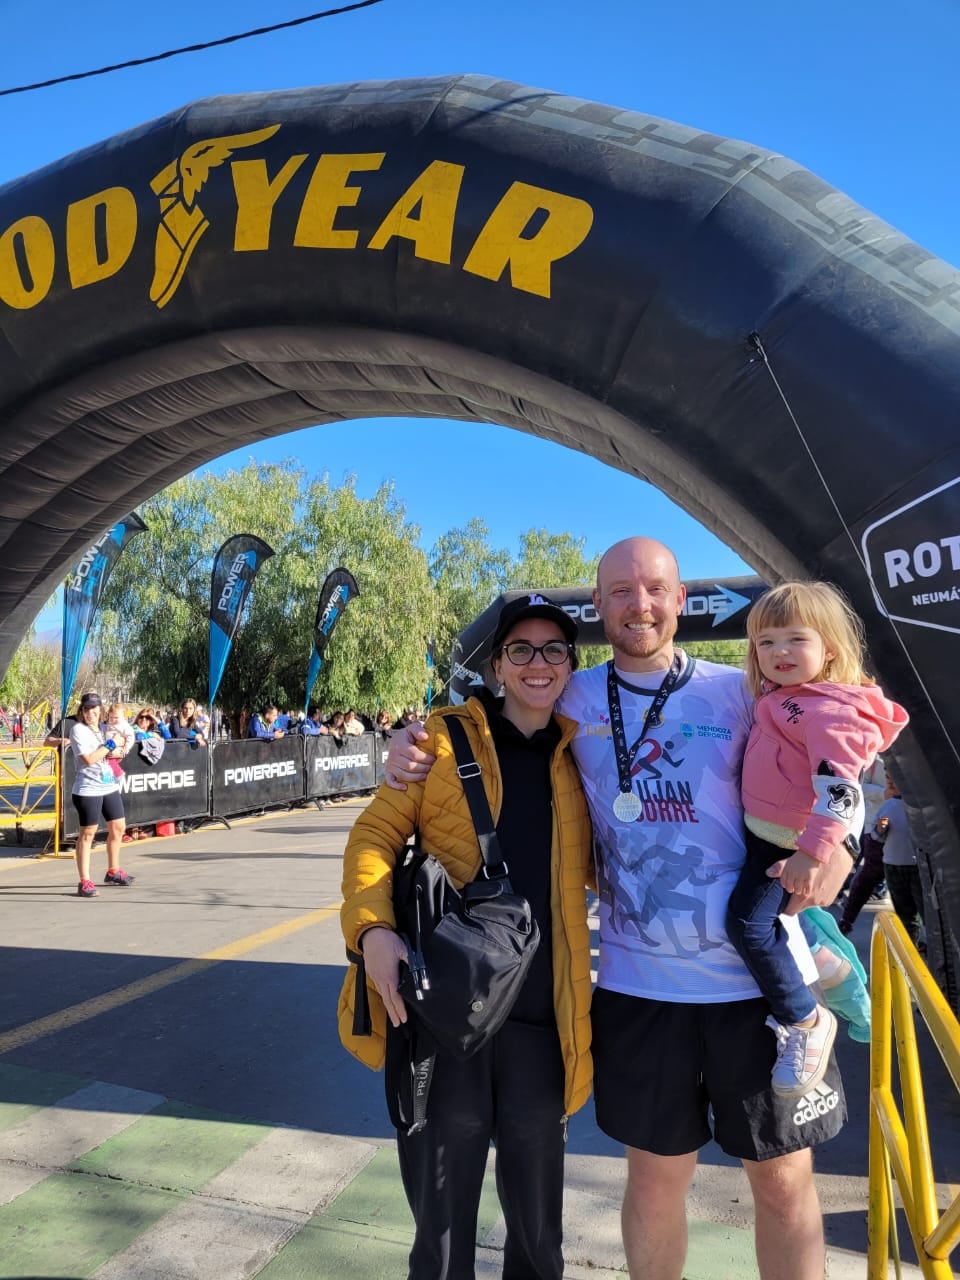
[(815, 1103)]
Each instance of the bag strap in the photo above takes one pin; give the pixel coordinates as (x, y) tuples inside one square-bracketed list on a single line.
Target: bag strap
[(468, 771)]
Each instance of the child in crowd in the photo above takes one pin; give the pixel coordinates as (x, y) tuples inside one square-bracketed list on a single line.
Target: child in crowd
[(819, 722)]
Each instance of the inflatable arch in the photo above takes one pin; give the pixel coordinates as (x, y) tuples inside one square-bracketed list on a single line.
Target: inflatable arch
[(693, 310)]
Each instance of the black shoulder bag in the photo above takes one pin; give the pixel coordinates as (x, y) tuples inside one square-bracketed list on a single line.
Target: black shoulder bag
[(469, 949)]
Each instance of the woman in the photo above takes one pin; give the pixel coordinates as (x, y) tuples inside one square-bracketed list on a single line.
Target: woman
[(336, 727), (185, 725), (96, 794), (146, 725), (520, 1088)]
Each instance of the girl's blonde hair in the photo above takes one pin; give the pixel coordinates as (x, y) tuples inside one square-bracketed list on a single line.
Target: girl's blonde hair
[(117, 707), (823, 609)]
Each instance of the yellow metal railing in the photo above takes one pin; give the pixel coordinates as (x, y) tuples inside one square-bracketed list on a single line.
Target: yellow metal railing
[(29, 776), (900, 1145)]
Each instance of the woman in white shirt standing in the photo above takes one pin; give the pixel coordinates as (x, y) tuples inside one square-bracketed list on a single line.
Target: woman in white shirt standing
[(96, 794)]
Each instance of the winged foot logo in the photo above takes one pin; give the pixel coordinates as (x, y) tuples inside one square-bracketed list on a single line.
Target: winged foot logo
[(182, 221), (524, 230)]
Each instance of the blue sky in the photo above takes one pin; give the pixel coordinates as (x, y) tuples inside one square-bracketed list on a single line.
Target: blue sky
[(861, 93)]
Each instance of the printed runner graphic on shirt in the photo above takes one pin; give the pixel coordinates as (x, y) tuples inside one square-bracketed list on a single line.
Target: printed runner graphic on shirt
[(665, 878)]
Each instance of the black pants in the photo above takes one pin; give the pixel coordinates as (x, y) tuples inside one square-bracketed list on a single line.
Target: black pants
[(511, 1092), (906, 894), (869, 874)]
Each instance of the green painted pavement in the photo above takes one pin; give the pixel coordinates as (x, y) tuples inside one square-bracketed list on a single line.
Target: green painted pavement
[(68, 1226), (366, 1231), (177, 1147), (718, 1251), (24, 1091)]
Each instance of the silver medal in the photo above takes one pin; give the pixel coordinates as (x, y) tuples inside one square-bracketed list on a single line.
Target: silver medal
[(627, 806)]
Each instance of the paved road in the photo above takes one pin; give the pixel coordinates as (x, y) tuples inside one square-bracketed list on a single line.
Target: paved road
[(174, 1101)]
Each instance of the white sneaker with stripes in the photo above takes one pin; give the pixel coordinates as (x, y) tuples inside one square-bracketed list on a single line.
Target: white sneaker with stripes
[(803, 1054)]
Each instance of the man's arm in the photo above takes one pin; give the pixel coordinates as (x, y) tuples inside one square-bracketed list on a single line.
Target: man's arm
[(405, 760)]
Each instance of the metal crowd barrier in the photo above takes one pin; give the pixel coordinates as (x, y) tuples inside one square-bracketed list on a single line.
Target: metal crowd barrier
[(900, 1145), (30, 787), (242, 776)]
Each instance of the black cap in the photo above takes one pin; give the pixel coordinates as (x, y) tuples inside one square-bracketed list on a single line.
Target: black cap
[(90, 700), (534, 605)]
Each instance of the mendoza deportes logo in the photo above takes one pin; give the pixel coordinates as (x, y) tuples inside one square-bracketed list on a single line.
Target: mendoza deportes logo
[(815, 1103)]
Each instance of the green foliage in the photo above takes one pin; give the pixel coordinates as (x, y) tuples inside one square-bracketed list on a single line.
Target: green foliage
[(733, 653), (156, 606), (33, 675), (551, 560), (467, 575)]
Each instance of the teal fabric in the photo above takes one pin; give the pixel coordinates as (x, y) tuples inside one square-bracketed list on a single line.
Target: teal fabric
[(851, 999)]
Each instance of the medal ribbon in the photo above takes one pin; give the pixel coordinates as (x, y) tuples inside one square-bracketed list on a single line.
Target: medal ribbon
[(624, 757)]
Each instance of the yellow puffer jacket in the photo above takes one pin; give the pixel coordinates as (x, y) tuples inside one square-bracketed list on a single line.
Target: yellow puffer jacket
[(438, 809)]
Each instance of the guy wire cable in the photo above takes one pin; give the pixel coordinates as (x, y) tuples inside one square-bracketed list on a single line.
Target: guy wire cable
[(757, 343)]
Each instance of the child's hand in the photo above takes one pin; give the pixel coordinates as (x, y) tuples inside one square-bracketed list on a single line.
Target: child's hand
[(801, 874)]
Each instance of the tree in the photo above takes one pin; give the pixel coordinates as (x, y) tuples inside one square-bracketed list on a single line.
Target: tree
[(733, 653), (155, 611), (551, 560), (467, 574)]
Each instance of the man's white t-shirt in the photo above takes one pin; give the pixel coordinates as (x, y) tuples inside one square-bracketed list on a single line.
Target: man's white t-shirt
[(92, 779), (665, 879)]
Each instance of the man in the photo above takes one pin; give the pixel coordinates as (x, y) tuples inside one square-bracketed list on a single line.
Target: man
[(264, 724), (313, 726), (678, 1022)]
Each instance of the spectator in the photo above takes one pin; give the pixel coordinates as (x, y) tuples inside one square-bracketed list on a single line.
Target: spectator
[(335, 726), (409, 715), (146, 725), (59, 733), (264, 724), (96, 795), (383, 724), (184, 724), (313, 725), (900, 862), (352, 724)]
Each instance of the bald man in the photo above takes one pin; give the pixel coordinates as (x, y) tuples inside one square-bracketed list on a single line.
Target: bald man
[(681, 1049)]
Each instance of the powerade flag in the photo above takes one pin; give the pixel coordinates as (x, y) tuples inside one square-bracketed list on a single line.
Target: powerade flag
[(337, 591), (234, 570), (82, 593)]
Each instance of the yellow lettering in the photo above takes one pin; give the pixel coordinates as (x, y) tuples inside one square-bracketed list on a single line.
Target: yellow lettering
[(256, 196), (119, 233), (502, 243), (35, 240), (433, 196), (326, 195)]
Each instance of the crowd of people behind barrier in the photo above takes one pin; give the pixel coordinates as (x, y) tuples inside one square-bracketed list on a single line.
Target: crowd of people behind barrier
[(148, 730)]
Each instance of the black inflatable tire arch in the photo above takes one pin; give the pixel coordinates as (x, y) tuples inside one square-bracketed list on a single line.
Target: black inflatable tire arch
[(493, 252)]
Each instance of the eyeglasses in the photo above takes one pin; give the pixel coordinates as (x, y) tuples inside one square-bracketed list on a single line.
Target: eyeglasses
[(520, 653)]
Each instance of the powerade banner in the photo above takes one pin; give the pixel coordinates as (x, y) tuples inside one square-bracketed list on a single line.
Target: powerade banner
[(338, 590), (82, 592), (256, 773), (333, 769), (174, 788), (234, 570)]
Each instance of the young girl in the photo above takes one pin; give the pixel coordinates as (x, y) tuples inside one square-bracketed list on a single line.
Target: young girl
[(819, 722), (119, 727)]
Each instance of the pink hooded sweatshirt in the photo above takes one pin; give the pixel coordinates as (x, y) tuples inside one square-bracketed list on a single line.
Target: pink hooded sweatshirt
[(798, 730)]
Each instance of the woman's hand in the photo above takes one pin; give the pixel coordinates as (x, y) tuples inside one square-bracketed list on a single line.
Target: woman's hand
[(383, 951)]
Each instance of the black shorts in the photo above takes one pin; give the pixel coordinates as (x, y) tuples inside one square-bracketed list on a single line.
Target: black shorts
[(92, 808), (661, 1069)]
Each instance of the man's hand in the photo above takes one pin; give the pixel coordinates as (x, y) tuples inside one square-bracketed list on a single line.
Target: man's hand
[(405, 761), (383, 952), (830, 882)]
